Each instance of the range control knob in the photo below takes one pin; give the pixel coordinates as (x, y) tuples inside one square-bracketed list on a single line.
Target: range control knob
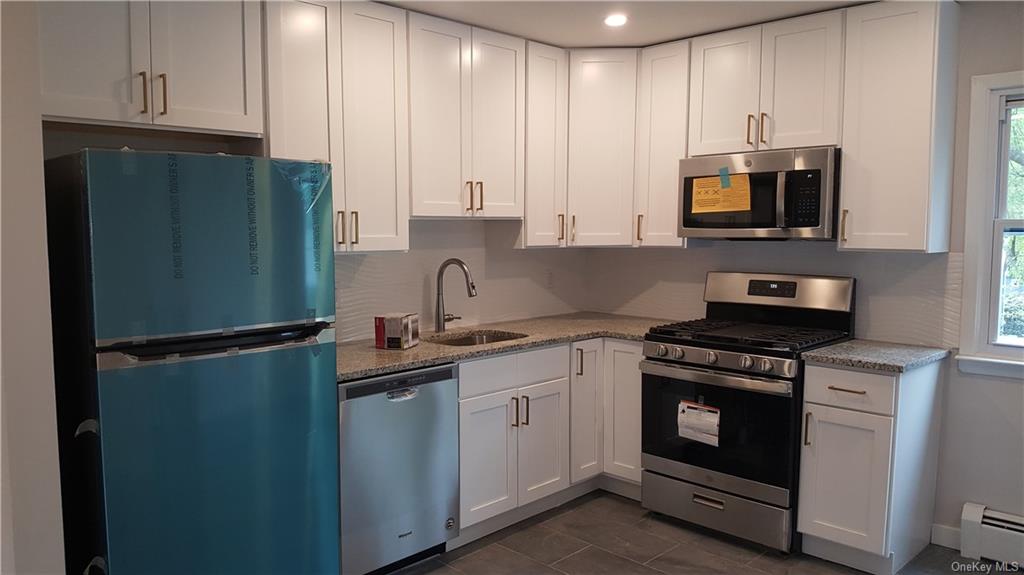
[(712, 357), (746, 362), (678, 353), (766, 365), (661, 350)]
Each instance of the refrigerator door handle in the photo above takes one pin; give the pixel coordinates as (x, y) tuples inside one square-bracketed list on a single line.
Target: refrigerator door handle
[(109, 360)]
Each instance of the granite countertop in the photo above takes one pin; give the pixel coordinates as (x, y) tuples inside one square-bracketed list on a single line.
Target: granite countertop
[(875, 355), (358, 359)]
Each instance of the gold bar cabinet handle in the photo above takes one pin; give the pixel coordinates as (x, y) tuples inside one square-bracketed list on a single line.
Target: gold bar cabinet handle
[(760, 129), (480, 185), (340, 223), (845, 390), (561, 227), (579, 361), (470, 184), (807, 421), (573, 234), (145, 92), (750, 141), (639, 222), (163, 83), (526, 402), (355, 227), (842, 225), (515, 408)]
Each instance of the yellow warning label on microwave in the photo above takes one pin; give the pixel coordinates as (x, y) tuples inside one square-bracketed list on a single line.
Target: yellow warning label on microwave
[(709, 196)]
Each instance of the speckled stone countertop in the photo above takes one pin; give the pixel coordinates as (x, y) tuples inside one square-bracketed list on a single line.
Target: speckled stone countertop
[(358, 359), (875, 355)]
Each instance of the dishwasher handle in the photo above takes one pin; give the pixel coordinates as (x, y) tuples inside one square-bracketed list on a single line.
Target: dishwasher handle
[(399, 386)]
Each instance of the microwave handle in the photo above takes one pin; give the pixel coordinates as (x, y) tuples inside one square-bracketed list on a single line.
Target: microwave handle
[(780, 200)]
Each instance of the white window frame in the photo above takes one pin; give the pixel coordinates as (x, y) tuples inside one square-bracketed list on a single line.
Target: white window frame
[(982, 270)]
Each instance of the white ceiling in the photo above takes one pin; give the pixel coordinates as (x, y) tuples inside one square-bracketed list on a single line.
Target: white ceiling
[(581, 24)]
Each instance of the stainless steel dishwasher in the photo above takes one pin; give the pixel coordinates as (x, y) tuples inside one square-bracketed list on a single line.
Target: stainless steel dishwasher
[(399, 444)]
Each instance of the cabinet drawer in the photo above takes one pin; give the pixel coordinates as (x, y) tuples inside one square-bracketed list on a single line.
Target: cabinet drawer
[(488, 375), (871, 392), (542, 365)]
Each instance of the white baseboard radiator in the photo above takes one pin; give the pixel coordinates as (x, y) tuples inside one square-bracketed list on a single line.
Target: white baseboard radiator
[(991, 534)]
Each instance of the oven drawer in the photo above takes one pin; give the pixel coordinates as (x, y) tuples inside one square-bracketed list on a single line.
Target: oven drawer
[(743, 518), (871, 392)]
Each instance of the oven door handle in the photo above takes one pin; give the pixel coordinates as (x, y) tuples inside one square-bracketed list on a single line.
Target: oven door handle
[(755, 384)]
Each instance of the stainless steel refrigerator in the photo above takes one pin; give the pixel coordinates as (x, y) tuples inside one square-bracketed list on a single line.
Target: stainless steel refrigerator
[(193, 310)]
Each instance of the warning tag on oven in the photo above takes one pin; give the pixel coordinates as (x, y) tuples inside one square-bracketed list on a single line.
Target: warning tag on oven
[(710, 196), (698, 422)]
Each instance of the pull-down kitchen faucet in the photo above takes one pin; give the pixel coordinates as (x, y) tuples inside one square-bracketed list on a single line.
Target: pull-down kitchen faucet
[(440, 318)]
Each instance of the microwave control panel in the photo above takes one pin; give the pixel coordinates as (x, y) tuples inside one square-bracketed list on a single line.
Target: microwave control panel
[(803, 198)]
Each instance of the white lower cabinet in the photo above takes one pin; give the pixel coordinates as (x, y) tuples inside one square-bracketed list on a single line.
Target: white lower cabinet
[(513, 443), (587, 402), (622, 409), (867, 465)]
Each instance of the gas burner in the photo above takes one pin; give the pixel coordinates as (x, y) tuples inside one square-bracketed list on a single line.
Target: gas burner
[(782, 337)]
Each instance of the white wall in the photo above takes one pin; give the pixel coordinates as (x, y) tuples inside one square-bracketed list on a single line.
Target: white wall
[(32, 533), (511, 284)]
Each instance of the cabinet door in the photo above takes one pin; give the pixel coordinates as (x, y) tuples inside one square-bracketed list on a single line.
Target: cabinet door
[(547, 127), (440, 56), (375, 103), (725, 74), (844, 477), (801, 82), (487, 456), (543, 439), (94, 60), (208, 65), (587, 410), (602, 122), (622, 408), (499, 126), (303, 80), (660, 142), (887, 126)]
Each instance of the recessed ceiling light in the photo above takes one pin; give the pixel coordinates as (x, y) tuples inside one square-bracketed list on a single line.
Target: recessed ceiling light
[(615, 20)]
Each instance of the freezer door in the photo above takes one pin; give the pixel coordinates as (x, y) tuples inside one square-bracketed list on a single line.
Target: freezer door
[(222, 464), (186, 244)]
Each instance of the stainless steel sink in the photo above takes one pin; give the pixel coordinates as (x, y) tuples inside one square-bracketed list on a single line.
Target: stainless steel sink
[(476, 337)]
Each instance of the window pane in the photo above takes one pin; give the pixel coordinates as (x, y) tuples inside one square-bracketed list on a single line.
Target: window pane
[(1015, 167), (1011, 289)]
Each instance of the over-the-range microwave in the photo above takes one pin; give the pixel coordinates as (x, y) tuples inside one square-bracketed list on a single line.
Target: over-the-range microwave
[(778, 194)]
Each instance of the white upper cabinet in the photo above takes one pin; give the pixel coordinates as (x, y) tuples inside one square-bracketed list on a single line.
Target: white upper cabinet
[(467, 102), (190, 65), (304, 81), (547, 126), (898, 120), (94, 60), (375, 101), (801, 82), (499, 123), (207, 65), (440, 60), (660, 142), (602, 126), (725, 74)]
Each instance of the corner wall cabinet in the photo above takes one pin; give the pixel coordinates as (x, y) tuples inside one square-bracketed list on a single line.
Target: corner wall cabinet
[(467, 120), (602, 125), (898, 123), (867, 465), (182, 65), (767, 87)]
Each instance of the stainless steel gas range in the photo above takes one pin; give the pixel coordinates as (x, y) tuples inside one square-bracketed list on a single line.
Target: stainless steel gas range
[(722, 396)]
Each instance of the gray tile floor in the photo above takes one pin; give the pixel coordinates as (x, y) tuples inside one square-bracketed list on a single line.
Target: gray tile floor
[(604, 534)]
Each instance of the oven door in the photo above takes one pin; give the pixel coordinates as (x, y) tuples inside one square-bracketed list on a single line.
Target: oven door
[(731, 432)]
